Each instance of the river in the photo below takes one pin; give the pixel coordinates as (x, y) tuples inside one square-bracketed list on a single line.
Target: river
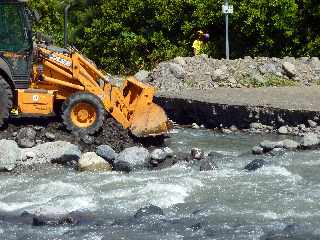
[(278, 201)]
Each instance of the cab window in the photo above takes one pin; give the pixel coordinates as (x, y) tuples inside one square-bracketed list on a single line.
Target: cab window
[(13, 31)]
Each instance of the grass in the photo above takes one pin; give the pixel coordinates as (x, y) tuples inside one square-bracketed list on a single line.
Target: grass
[(270, 81)]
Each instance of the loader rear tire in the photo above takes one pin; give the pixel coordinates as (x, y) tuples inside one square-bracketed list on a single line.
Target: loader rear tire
[(6, 100), (83, 113)]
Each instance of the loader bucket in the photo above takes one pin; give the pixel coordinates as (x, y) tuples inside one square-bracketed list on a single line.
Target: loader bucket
[(147, 118), (150, 121)]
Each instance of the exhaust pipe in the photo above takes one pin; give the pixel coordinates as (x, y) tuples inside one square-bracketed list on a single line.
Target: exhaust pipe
[(66, 11)]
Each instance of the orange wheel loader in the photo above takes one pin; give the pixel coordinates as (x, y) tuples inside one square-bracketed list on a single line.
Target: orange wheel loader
[(35, 78)]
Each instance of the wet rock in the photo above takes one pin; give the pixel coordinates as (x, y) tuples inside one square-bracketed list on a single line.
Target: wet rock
[(107, 153), (268, 145), (208, 164), (168, 151), (255, 164), (158, 154), (52, 152), (283, 130), (226, 131), (38, 128), (290, 144), (257, 150), (148, 210), (142, 75), (312, 124), (195, 126), (310, 141), (256, 125), (9, 155), (87, 139), (73, 218), (277, 151), (121, 166), (50, 136), (137, 157), (233, 128), (26, 137), (197, 153), (90, 161), (289, 69)]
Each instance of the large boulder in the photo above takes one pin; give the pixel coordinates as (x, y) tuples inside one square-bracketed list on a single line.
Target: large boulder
[(10, 154), (60, 152), (142, 75), (90, 161), (26, 137), (309, 141), (137, 157), (107, 153)]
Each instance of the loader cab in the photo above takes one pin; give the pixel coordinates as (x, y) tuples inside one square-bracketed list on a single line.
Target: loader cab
[(15, 42)]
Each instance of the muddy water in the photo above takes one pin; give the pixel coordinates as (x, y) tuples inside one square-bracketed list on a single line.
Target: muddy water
[(279, 201)]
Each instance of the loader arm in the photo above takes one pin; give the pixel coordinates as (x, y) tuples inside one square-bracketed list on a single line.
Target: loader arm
[(131, 105)]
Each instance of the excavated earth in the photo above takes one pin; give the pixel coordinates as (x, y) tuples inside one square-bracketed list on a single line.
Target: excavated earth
[(111, 133)]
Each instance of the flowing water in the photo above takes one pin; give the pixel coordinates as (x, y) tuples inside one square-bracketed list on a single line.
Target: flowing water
[(279, 200)]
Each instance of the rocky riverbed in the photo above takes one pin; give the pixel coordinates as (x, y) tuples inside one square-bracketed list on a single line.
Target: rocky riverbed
[(237, 195)]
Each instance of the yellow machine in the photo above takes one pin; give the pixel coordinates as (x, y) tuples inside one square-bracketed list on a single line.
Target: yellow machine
[(58, 75)]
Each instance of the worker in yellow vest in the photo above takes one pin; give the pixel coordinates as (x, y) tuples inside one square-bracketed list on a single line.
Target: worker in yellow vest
[(199, 42)]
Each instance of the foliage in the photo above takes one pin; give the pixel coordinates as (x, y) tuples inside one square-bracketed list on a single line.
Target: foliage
[(270, 80), (123, 36)]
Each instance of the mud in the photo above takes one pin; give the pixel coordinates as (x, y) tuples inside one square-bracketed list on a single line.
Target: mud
[(111, 133)]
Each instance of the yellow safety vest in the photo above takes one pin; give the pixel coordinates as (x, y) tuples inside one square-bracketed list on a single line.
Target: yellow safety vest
[(197, 46)]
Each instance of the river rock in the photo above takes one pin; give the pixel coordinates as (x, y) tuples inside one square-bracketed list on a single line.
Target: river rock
[(257, 150), (158, 154), (268, 145), (148, 210), (26, 137), (208, 164), (137, 157), (168, 151), (10, 154), (197, 153), (255, 164), (107, 153), (278, 151), (121, 166), (60, 152), (195, 126), (50, 136), (289, 69), (90, 161), (309, 141), (283, 130), (290, 144), (312, 123), (256, 125)]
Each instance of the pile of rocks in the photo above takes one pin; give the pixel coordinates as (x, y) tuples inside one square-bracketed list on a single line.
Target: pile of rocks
[(202, 72)]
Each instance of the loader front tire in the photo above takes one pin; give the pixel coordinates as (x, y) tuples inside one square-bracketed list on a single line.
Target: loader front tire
[(6, 100), (83, 113)]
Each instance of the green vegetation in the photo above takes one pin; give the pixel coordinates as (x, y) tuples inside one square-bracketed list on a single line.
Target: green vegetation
[(123, 36), (270, 80)]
